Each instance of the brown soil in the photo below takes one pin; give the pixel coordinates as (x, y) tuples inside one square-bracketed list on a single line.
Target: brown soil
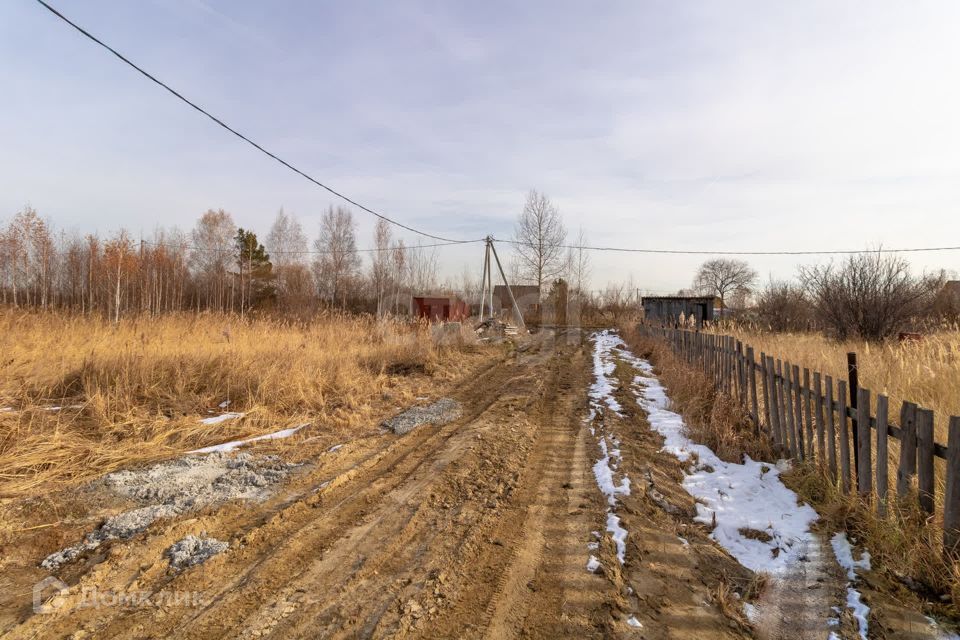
[(475, 529)]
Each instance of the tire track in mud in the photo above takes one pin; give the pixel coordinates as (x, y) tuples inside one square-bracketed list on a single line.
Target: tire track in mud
[(546, 590), (303, 560)]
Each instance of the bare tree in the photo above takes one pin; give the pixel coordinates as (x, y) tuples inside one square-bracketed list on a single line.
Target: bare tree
[(722, 276), (287, 245), (784, 306), (380, 266), (423, 267), (578, 263), (871, 296), (398, 261), (337, 262), (540, 234), (211, 256)]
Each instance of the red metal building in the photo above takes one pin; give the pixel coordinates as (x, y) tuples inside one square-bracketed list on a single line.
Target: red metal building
[(441, 307)]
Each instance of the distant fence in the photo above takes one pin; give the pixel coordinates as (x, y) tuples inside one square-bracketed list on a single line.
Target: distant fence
[(803, 416)]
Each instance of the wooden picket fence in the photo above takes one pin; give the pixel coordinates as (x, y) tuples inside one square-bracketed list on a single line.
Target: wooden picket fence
[(809, 417)]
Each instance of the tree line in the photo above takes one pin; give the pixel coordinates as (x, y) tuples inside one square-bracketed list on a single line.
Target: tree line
[(871, 295), (215, 266)]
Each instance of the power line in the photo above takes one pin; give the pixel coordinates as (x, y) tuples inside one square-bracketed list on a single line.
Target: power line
[(231, 250), (238, 134), (739, 253), (445, 240)]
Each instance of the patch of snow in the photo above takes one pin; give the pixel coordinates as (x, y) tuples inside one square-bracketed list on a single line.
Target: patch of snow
[(604, 364), (593, 546), (605, 469), (619, 535), (604, 474), (859, 609), (593, 564), (226, 447), (221, 418), (738, 497), (844, 554), (751, 612), (633, 622), (224, 404), (683, 541), (334, 448)]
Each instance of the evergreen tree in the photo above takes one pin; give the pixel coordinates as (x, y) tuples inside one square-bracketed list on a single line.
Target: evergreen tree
[(254, 269)]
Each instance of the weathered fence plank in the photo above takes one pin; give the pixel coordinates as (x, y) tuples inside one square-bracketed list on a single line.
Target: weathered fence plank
[(883, 483), (773, 408), (798, 411), (925, 477), (788, 410), (754, 404), (908, 450), (864, 460), (807, 412), (831, 431), (951, 498), (844, 435), (818, 415)]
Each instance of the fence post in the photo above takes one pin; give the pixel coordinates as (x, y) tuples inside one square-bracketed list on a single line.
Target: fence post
[(831, 431), (951, 499), (844, 435), (754, 405), (787, 408), (908, 449), (818, 414), (864, 460), (883, 484), (807, 412), (925, 459), (798, 409), (774, 403), (766, 391), (853, 378)]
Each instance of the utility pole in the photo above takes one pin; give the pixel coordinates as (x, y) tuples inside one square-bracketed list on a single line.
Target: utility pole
[(516, 308), (484, 278)]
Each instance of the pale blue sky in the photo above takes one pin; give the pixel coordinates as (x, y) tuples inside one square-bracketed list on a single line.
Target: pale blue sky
[(683, 125)]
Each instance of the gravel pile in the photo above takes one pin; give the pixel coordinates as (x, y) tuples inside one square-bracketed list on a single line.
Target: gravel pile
[(170, 488), (442, 411)]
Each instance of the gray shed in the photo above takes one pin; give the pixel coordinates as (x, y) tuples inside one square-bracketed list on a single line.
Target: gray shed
[(667, 309)]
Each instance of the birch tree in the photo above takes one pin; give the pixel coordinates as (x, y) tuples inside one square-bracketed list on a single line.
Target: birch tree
[(539, 235)]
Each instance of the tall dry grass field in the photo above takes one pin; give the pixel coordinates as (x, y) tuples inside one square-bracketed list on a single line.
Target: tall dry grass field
[(926, 371), (136, 391)]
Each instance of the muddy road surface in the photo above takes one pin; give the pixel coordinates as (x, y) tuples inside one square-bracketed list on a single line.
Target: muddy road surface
[(493, 525)]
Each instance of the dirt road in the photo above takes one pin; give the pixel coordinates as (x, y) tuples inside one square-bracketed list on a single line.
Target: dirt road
[(481, 528)]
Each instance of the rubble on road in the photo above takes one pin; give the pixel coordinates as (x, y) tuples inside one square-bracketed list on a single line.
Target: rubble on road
[(440, 412), (194, 550), (170, 488)]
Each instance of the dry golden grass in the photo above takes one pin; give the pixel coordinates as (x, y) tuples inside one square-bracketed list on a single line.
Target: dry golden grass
[(926, 372), (135, 391)]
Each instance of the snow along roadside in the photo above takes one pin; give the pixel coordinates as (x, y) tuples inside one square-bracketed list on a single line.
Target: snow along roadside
[(758, 519), (607, 468), (743, 499)]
